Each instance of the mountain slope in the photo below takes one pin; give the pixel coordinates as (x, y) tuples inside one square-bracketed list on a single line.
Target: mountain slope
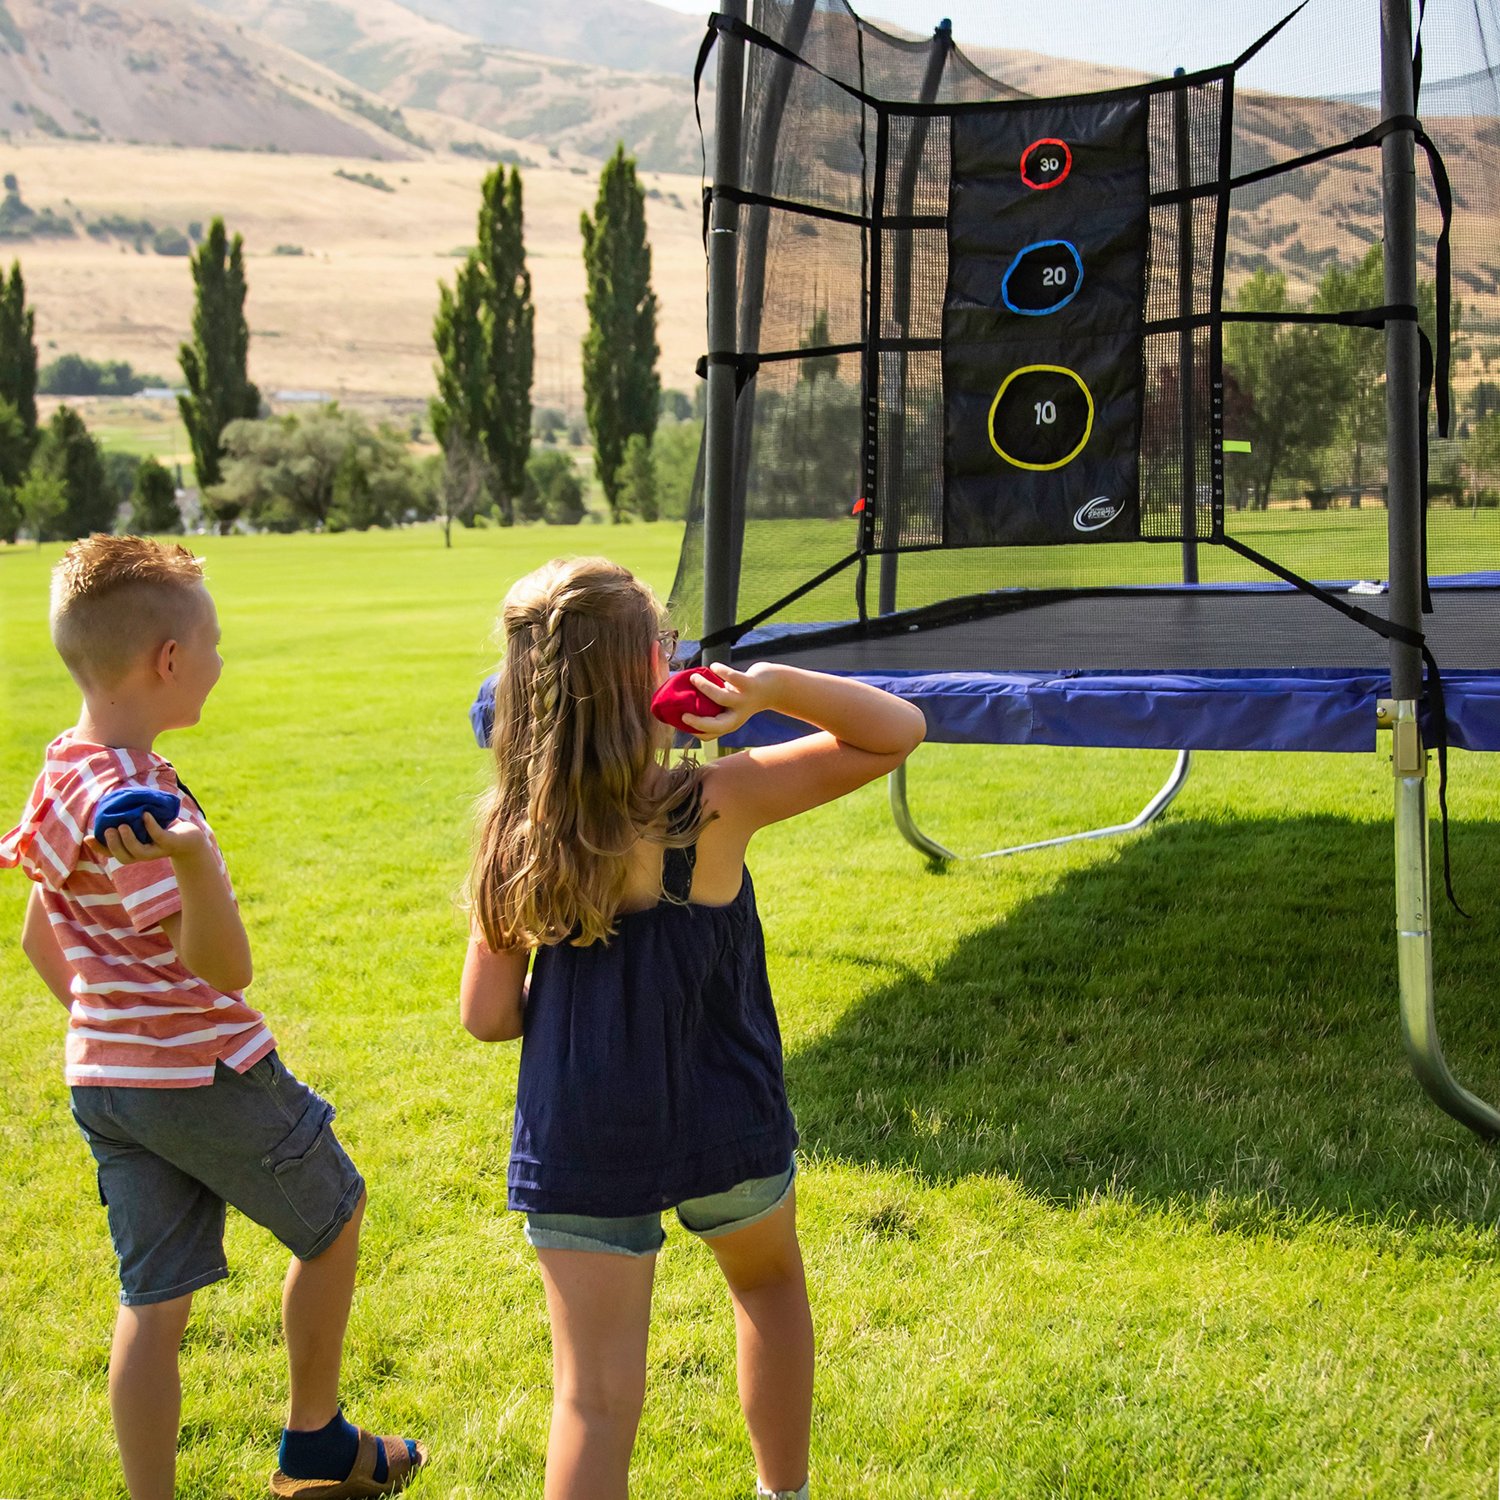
[(164, 72), (563, 107), (623, 34)]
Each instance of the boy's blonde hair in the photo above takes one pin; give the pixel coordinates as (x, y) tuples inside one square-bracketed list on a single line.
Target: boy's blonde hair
[(115, 598), (581, 769)]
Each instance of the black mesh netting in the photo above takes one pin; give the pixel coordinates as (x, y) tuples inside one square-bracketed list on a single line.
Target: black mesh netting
[(962, 389)]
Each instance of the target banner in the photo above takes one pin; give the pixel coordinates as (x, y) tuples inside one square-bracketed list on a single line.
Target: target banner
[(1049, 224)]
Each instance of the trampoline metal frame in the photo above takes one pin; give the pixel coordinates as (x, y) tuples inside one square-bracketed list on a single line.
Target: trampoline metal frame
[(1413, 886), (1404, 419), (925, 844)]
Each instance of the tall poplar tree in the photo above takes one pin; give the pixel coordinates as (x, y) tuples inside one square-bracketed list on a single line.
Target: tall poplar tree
[(458, 409), (485, 340), (621, 389), (214, 365), (511, 350), (18, 351)]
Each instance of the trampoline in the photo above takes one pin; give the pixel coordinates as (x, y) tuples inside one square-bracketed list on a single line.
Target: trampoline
[(1006, 359), (994, 404)]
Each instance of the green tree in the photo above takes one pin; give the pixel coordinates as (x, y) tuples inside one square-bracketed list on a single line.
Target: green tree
[(18, 351), (554, 490), (464, 484), (71, 457), (621, 389), (122, 469), (1482, 454), (638, 495), (1361, 352), (509, 340), (153, 501), (675, 451), (42, 501), (325, 469), (214, 365), (485, 340), (824, 366), (1294, 378), (460, 408), (16, 445)]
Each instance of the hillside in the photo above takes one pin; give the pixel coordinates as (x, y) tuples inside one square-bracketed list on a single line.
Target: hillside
[(346, 305), (166, 72), (631, 34), (571, 101)]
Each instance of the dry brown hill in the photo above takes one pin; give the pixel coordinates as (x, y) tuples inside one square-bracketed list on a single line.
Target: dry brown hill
[(631, 34), (166, 72), (563, 106)]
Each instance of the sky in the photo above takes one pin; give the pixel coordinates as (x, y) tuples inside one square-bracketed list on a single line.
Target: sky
[(1320, 52)]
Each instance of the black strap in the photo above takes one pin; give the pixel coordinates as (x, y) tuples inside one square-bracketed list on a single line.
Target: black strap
[(1443, 272), (834, 215), (1416, 57), (731, 633), (1371, 137), (1437, 710), (707, 46), (187, 791), (743, 31), (1255, 47), (679, 861)]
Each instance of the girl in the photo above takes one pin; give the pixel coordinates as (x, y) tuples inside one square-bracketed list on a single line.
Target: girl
[(651, 1073)]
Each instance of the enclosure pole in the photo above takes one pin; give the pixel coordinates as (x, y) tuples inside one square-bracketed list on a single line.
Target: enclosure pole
[(1186, 377), (1402, 384), (723, 255), (893, 454), (1404, 539)]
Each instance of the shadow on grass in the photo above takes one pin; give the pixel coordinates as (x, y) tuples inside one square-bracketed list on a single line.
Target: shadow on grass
[(1209, 1016)]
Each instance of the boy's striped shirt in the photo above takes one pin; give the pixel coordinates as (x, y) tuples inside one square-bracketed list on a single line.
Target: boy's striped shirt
[(139, 1018)]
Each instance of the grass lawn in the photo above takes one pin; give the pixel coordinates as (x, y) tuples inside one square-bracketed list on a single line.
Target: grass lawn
[(1115, 1180)]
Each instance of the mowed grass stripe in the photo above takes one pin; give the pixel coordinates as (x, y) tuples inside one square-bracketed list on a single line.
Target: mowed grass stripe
[(1116, 1182)]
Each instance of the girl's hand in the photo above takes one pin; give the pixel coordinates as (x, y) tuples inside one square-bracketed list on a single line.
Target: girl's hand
[(182, 840), (743, 694)]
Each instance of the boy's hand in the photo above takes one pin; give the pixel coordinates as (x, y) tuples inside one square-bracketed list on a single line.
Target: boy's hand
[(743, 694), (183, 840)]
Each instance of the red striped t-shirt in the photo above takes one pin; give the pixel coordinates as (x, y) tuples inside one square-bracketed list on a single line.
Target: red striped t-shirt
[(139, 1018)]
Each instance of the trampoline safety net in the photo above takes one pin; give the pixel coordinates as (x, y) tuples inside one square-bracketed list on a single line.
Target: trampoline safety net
[(996, 310)]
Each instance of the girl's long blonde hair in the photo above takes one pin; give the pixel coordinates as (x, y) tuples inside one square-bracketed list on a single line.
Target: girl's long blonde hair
[(581, 766)]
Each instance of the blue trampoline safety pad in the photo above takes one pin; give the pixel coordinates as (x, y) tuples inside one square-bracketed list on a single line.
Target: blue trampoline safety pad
[(1314, 709), (1329, 709)]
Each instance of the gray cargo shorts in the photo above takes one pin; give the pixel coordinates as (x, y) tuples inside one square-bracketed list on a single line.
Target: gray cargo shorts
[(170, 1159)]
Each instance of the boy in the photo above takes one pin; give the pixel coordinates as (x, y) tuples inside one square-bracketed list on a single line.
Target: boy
[(175, 1080)]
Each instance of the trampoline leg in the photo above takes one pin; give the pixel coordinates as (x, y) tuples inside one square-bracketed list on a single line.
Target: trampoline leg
[(1414, 934), (934, 850), (901, 812)]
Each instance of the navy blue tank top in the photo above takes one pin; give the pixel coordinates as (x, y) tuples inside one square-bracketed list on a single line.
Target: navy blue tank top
[(651, 1064)]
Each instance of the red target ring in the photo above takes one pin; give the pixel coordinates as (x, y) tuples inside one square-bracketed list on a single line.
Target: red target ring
[(1054, 165)]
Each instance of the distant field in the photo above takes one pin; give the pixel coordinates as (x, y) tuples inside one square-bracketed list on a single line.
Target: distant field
[(354, 313)]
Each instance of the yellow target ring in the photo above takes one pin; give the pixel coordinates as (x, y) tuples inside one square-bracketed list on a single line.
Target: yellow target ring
[(1088, 425)]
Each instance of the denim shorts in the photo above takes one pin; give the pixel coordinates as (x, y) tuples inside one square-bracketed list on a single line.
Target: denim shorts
[(170, 1159), (720, 1213)]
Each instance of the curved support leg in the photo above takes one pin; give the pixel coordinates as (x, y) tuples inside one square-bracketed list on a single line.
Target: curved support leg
[(1414, 937), (934, 850), (904, 821)]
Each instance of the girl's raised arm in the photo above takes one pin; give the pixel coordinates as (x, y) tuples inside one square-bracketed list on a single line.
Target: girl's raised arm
[(866, 733)]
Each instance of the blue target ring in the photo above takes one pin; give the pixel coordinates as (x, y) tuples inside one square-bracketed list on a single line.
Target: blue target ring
[(1043, 275)]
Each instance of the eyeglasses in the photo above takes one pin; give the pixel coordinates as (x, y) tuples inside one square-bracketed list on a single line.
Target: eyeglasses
[(667, 640)]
